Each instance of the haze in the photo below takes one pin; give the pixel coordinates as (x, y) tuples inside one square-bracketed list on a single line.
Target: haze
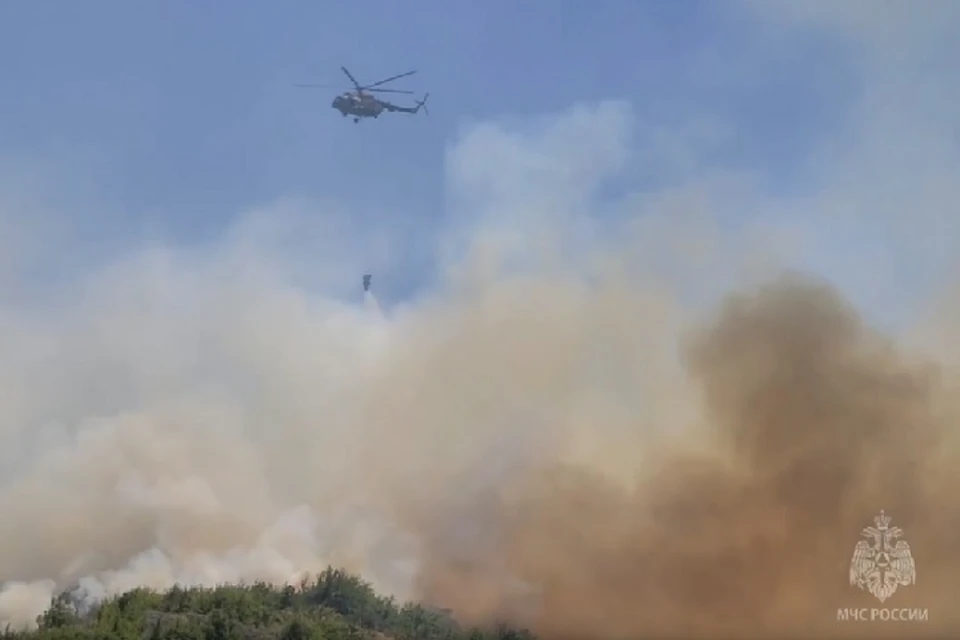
[(657, 323)]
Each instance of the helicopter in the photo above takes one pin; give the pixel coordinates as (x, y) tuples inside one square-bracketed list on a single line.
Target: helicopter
[(360, 103)]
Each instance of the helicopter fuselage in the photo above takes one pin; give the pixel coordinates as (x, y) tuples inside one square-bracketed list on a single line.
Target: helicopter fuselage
[(358, 106)]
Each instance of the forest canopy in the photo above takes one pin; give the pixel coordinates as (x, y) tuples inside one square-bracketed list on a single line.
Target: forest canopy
[(334, 605)]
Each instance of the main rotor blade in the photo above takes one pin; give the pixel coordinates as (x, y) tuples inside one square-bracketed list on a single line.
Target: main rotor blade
[(314, 86), (388, 90), (401, 75), (352, 79)]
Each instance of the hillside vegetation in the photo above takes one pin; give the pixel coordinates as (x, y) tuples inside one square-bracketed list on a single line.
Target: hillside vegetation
[(334, 605)]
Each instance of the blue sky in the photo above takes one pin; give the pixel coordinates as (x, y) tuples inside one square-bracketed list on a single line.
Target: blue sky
[(191, 107), (165, 122), (175, 116)]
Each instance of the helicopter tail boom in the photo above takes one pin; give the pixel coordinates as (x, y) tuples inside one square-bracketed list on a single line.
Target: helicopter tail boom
[(396, 108)]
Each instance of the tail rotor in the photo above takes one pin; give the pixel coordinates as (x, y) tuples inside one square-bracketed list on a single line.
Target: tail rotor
[(422, 104)]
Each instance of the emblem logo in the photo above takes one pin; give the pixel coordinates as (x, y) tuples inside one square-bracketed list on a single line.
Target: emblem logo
[(882, 562)]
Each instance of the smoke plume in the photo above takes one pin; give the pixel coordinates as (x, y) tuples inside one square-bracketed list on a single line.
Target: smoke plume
[(582, 455), (744, 526)]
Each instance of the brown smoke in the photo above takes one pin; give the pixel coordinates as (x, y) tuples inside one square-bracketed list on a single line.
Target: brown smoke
[(744, 528)]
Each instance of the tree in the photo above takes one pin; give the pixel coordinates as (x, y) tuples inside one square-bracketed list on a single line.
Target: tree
[(333, 605), (62, 613), (298, 630)]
